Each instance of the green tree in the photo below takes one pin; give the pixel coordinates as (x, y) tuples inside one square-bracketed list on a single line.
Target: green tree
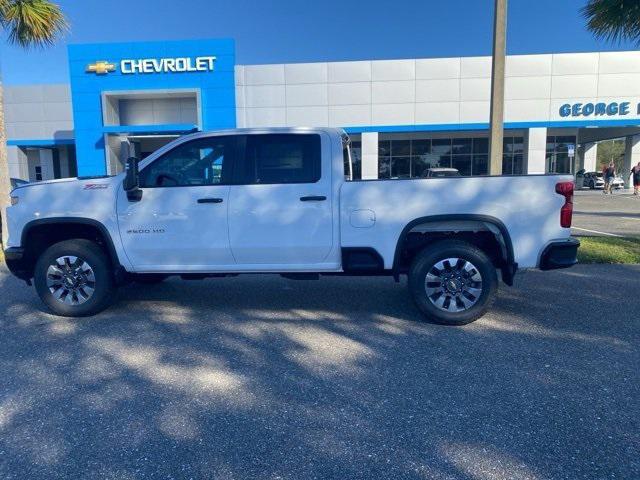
[(613, 20), (611, 150), (28, 23)]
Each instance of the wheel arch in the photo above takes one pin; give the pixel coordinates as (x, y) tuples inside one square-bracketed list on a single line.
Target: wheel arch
[(75, 227), (497, 228)]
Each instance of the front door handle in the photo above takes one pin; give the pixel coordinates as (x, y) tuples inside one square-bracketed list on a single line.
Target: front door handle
[(313, 198), (209, 200)]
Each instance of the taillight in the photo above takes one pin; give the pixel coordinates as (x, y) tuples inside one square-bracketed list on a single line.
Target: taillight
[(566, 212)]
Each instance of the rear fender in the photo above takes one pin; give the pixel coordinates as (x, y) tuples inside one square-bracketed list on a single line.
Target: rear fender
[(457, 223)]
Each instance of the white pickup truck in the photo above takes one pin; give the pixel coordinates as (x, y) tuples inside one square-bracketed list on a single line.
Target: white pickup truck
[(217, 204)]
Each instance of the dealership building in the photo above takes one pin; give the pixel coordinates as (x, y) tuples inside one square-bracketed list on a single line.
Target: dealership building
[(403, 116)]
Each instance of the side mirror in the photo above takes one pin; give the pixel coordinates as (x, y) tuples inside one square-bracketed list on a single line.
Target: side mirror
[(131, 183)]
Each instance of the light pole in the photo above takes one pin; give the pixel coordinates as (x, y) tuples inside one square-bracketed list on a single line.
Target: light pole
[(497, 87)]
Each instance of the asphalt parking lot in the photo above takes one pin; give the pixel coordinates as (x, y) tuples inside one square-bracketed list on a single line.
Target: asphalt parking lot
[(262, 377), (598, 214)]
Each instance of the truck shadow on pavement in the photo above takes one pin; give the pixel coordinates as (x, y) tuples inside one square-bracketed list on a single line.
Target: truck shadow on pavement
[(262, 377)]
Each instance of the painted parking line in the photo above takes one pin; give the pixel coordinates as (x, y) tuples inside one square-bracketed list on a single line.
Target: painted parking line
[(596, 231)]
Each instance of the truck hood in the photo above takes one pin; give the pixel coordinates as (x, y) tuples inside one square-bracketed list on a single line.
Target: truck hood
[(96, 180)]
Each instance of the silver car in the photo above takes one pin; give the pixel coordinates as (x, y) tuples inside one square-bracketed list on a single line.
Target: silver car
[(441, 172), (594, 180)]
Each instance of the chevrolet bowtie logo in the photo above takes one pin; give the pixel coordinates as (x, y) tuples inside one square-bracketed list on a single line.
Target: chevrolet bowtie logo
[(101, 67)]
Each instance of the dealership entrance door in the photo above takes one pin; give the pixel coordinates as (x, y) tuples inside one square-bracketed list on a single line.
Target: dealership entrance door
[(137, 123), (123, 146), (141, 146)]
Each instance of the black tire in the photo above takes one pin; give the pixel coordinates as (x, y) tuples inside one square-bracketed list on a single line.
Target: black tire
[(102, 273), (592, 185), (470, 257), (149, 278)]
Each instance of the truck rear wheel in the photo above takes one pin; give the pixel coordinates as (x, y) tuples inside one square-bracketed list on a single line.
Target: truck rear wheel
[(74, 278), (452, 282)]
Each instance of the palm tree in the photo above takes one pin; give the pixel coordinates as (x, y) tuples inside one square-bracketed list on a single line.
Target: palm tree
[(613, 20), (29, 23)]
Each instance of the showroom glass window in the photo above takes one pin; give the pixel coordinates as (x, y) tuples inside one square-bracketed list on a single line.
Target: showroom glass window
[(195, 163), (513, 156), (402, 158), (558, 160)]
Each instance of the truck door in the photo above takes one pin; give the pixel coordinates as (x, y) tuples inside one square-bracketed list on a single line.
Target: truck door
[(280, 206), (180, 224)]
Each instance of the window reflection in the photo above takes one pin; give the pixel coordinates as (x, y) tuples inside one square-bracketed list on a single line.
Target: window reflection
[(513, 156), (462, 163), (411, 158), (400, 167), (558, 160)]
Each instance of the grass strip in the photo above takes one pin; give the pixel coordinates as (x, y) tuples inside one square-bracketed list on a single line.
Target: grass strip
[(609, 250)]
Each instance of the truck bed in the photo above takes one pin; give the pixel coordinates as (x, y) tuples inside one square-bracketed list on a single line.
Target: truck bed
[(375, 212)]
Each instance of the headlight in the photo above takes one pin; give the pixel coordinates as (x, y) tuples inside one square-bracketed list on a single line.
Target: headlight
[(14, 200)]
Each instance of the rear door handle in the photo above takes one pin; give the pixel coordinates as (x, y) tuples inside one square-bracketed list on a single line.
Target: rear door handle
[(313, 198), (209, 200)]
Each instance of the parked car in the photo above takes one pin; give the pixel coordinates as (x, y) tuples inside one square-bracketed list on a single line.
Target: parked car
[(441, 172), (618, 182), (215, 204), (595, 180)]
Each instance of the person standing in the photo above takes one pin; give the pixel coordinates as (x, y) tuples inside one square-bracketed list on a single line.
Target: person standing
[(609, 174), (635, 178)]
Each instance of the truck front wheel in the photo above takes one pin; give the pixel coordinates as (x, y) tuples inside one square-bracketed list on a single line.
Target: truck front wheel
[(452, 282), (74, 278)]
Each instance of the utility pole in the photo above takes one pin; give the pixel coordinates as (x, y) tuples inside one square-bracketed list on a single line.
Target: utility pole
[(5, 182), (497, 87)]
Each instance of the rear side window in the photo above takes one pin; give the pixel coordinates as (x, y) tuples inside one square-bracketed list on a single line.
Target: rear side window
[(282, 158)]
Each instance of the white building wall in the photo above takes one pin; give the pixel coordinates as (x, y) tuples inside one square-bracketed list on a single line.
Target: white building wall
[(426, 92), (590, 157), (17, 161), (536, 147), (440, 91), (422, 94), (35, 112), (369, 155)]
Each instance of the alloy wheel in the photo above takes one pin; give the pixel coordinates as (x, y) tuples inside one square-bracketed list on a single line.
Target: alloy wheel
[(71, 280), (453, 284)]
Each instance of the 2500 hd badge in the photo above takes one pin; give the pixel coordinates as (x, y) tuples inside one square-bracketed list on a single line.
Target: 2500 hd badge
[(145, 230)]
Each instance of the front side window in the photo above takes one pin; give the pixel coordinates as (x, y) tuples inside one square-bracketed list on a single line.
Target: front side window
[(282, 158), (196, 163)]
